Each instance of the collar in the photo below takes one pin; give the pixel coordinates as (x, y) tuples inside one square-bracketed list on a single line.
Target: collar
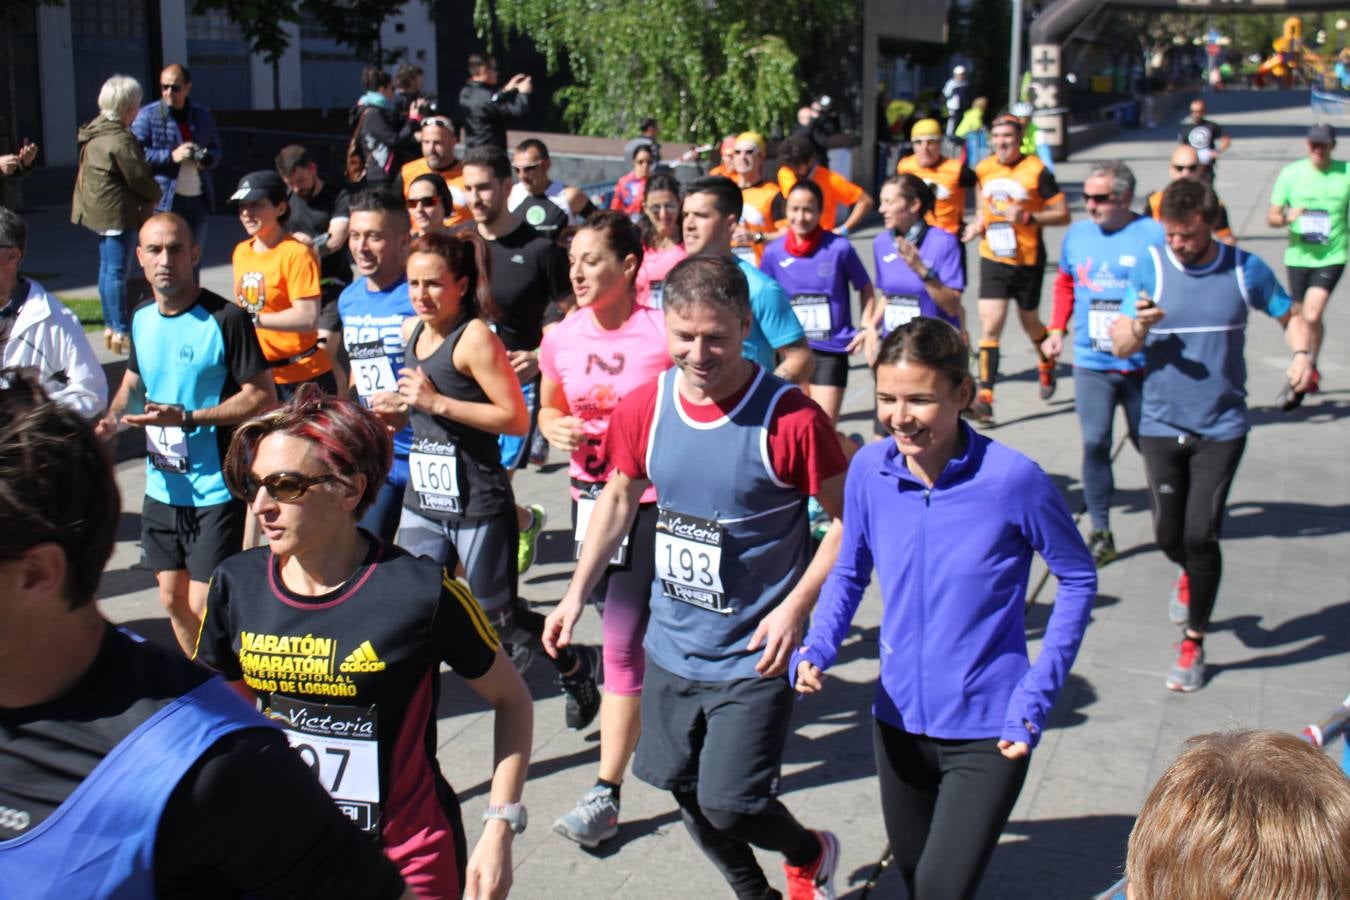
[(959, 468), (804, 246)]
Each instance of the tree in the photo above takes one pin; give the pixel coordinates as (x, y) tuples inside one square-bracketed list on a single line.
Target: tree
[(702, 69), (263, 24), (356, 23)]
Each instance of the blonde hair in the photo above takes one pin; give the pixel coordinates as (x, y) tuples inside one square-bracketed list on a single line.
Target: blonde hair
[(1244, 815), (119, 95)]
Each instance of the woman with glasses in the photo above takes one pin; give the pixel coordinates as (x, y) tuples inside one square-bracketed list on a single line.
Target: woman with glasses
[(631, 188), (340, 638), (662, 245), (430, 205)]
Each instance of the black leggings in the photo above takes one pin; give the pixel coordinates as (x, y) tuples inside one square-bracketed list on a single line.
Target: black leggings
[(725, 838), (945, 804), (1189, 479)]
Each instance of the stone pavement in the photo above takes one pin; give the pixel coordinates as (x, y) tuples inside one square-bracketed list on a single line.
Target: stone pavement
[(1277, 654)]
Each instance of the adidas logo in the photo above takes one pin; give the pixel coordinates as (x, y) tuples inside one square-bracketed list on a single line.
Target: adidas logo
[(362, 659)]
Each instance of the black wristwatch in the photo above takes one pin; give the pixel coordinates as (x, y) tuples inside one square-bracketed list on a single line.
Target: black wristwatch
[(187, 420), (931, 276)]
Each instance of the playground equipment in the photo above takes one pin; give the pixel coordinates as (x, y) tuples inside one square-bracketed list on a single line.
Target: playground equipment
[(1294, 60)]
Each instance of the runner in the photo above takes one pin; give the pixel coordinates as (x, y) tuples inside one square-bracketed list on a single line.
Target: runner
[(529, 283), (815, 268), (195, 370), (1095, 261), (712, 211), (630, 188), (726, 160), (799, 162), (764, 211), (341, 636), (715, 711), (1185, 163), (948, 178), (546, 205), (276, 281), (372, 312), (610, 347), (428, 200), (661, 234), (438, 138), (1206, 137), (917, 264), (959, 707), (125, 770), (1312, 199), (1186, 309), (1018, 197)]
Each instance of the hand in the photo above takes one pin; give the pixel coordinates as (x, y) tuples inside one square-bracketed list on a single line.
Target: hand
[(1053, 345), (1012, 211), (391, 408), (910, 254), (808, 678), (741, 236), (525, 363), (161, 414), (488, 875), (780, 632), (524, 83), (565, 433), (1293, 213), (303, 238), (9, 163), (181, 152), (1011, 750), (416, 389), (973, 230), (418, 106), (1300, 372), (1147, 313), (559, 623), (27, 153), (105, 429), (865, 340)]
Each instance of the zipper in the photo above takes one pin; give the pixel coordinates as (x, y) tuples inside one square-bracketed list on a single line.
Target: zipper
[(923, 600)]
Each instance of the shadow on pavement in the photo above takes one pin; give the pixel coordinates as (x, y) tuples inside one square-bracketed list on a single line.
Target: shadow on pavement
[(1077, 857), (1279, 518), (117, 582), (1327, 410), (1328, 629)]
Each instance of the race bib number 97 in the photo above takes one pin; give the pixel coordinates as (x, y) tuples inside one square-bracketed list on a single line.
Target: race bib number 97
[(340, 744)]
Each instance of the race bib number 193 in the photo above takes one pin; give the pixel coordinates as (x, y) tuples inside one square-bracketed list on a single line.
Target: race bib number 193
[(689, 560)]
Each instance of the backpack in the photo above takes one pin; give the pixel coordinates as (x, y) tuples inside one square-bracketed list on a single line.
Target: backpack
[(356, 155)]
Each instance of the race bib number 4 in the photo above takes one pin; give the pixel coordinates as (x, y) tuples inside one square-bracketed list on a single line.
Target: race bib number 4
[(1002, 239), (689, 560), (340, 744), (1102, 314), (433, 469), (372, 372), (1315, 226), (899, 310), (813, 312), (168, 449)]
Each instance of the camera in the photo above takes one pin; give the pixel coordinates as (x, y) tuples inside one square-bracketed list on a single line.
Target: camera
[(199, 154)]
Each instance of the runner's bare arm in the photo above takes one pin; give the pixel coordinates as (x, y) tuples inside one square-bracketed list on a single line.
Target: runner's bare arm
[(130, 386), (797, 362), (302, 316), (859, 211), (255, 395), (1056, 212)]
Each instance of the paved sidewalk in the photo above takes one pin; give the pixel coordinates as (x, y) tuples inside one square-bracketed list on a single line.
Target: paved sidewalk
[(1277, 655)]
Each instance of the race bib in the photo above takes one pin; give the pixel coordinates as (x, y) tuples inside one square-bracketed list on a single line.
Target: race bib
[(1102, 314), (1314, 226), (1002, 239), (433, 470), (585, 506), (656, 293), (372, 372), (813, 312), (168, 449), (340, 746), (689, 560), (899, 310)]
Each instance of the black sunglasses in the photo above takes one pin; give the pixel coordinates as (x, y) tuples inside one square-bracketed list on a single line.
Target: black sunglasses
[(1185, 168), (285, 487), (521, 170), (422, 201), (1099, 198), (171, 87)]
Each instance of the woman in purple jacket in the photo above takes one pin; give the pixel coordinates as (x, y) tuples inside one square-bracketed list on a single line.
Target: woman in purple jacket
[(950, 519), (815, 267)]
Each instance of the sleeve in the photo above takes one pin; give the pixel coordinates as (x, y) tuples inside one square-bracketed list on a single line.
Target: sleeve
[(843, 589), (630, 426), (1036, 507), (160, 159), (301, 273), (460, 630), (84, 388), (215, 643), (845, 191), (1262, 289), (967, 178), (243, 354), (1063, 302), (855, 270), (342, 207), (1279, 195), (948, 265), (803, 445), (301, 846), (513, 104), (1143, 278), (616, 201), (773, 312), (1047, 187)]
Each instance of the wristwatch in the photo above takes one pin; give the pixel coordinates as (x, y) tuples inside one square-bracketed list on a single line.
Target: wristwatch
[(512, 814), (931, 276)]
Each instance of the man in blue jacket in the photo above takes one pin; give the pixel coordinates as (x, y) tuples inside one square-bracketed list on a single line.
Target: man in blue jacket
[(182, 146)]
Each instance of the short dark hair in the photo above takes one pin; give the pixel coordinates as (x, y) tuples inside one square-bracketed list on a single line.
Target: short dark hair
[(382, 201), (478, 62), (912, 188), (56, 484), (491, 158), (13, 229), (373, 78), (620, 235), (727, 198), (646, 123), (1184, 198), (714, 280), (806, 184), (534, 144), (928, 342), (643, 146), (406, 74), (292, 157), (796, 150)]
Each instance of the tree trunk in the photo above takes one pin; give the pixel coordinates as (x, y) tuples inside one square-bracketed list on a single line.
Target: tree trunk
[(276, 83)]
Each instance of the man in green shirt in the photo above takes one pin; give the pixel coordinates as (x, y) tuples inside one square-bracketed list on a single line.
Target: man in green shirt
[(1311, 199)]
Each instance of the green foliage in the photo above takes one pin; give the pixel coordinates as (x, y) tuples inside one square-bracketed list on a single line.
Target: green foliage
[(356, 23), (261, 21), (701, 69)]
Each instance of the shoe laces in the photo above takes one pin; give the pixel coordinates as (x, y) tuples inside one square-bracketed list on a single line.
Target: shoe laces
[(596, 805)]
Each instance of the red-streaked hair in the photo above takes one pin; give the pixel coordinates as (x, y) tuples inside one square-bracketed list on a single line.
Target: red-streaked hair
[(349, 439)]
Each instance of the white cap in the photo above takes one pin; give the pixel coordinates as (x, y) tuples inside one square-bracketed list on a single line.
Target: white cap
[(959, 70)]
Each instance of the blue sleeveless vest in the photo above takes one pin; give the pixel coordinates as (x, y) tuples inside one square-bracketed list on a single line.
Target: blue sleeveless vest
[(100, 843), (719, 472)]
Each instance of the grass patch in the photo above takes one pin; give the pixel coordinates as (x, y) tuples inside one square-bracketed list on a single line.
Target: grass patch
[(89, 310)]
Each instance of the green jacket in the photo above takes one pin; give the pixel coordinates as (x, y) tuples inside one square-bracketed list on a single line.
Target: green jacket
[(114, 187)]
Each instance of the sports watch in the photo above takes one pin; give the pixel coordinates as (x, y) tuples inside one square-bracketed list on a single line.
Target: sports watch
[(512, 814)]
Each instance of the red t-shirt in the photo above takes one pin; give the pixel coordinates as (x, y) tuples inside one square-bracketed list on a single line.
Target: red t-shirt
[(802, 443)]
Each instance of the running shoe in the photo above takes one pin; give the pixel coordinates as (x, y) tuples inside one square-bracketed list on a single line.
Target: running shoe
[(539, 450), (582, 696), (593, 820), (1188, 672), (529, 539), (982, 408), (1048, 379), (1179, 604), (816, 880), (1102, 546)]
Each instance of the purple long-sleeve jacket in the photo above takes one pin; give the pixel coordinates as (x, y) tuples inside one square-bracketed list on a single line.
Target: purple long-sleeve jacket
[(953, 562)]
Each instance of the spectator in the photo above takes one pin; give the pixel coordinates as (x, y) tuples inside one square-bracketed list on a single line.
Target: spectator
[(648, 131), (383, 138), (429, 204), (629, 190), (485, 111), (957, 94), (115, 192), (182, 147), (407, 87)]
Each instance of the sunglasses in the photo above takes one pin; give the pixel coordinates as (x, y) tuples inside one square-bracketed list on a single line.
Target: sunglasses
[(442, 121), (521, 170), (1184, 168), (750, 152), (428, 202), (1099, 198), (664, 207), (926, 140), (175, 88), (284, 487)]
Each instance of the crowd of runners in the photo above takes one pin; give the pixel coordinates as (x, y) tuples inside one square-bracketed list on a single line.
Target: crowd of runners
[(330, 514)]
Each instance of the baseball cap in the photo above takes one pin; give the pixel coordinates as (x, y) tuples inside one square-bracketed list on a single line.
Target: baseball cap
[(264, 185), (925, 128), (1321, 133)]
